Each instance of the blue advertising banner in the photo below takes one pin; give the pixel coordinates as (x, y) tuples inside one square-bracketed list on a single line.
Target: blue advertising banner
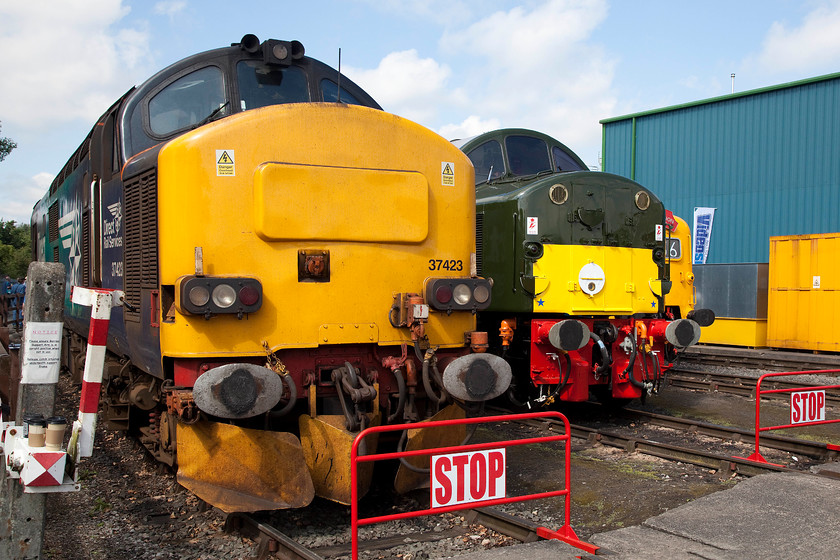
[(703, 218)]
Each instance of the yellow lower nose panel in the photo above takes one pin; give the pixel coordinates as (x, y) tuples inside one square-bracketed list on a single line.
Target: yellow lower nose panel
[(564, 281), (239, 469), (429, 438), (327, 445)]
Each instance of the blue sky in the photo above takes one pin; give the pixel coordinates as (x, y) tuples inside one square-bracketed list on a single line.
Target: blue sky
[(459, 67)]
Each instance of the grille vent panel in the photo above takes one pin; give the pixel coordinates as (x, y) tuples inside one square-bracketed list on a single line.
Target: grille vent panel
[(86, 249), (53, 218), (141, 243), (479, 243)]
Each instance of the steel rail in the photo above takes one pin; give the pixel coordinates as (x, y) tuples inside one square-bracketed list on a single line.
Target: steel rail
[(386, 543), (733, 383), (724, 464), (518, 528), (813, 449), (269, 540), (759, 358)]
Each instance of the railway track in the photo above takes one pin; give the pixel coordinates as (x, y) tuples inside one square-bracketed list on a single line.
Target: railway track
[(271, 542), (816, 450), (725, 464), (758, 358), (739, 383)]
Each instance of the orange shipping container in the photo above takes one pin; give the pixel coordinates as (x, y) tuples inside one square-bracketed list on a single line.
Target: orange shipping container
[(804, 292)]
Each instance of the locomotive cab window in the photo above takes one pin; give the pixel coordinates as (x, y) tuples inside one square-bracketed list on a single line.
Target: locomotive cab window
[(329, 93), (563, 161), (261, 85), (187, 101), (527, 155), (488, 161)]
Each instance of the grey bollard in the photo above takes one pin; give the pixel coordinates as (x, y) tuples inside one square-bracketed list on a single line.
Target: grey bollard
[(22, 536)]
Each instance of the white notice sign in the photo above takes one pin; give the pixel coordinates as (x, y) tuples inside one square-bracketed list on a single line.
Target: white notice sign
[(41, 353), (474, 476)]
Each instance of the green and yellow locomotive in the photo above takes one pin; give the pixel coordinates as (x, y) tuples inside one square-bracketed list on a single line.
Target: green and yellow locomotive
[(580, 272), (281, 242)]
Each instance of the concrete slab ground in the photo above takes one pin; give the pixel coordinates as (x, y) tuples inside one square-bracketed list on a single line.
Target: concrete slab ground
[(781, 515)]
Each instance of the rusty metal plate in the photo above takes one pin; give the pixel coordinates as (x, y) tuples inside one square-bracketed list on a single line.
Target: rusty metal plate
[(429, 438), (326, 447), (239, 469)]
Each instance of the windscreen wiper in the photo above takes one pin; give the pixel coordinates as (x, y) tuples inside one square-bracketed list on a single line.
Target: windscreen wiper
[(215, 112)]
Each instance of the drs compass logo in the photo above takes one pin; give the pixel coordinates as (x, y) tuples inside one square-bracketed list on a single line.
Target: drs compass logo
[(112, 237)]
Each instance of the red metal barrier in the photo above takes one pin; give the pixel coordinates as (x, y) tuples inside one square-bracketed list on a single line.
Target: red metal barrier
[(565, 533), (807, 407)]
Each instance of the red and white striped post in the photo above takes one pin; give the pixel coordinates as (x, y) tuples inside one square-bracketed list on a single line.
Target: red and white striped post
[(101, 301)]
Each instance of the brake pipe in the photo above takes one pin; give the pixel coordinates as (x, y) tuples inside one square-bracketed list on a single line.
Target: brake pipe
[(401, 392), (606, 360), (100, 301)]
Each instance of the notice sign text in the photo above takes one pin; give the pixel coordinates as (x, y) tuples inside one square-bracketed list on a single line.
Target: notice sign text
[(807, 406), (475, 476), (41, 352)]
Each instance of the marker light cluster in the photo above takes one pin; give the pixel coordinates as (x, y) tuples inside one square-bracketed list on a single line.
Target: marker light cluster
[(458, 294), (204, 295)]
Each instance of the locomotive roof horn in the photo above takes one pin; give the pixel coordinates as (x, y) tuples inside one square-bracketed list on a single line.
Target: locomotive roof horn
[(274, 51), (250, 43)]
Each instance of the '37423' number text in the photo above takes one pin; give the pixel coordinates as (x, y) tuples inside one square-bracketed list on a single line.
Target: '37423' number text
[(446, 264)]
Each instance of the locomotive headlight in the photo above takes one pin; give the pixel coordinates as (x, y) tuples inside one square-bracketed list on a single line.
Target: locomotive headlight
[(280, 51), (224, 295), (534, 250), (458, 294), (248, 295), (481, 293), (199, 295), (642, 200), (211, 295), (462, 294), (443, 293)]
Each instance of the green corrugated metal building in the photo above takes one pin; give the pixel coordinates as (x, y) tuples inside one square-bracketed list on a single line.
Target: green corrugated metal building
[(768, 160)]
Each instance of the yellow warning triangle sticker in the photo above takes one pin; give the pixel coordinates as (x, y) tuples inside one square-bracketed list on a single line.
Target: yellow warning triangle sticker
[(447, 170), (225, 158)]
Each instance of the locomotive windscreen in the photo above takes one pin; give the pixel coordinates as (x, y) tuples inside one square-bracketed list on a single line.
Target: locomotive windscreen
[(261, 85), (187, 101)]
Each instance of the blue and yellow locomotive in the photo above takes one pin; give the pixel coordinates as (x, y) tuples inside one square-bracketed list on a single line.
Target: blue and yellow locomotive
[(297, 265), (580, 270)]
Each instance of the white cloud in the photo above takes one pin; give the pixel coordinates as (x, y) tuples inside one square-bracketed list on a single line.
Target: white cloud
[(406, 84), (814, 43), (20, 194), (523, 39), (444, 12), (534, 67), (71, 59), (471, 126), (170, 8), (539, 68)]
